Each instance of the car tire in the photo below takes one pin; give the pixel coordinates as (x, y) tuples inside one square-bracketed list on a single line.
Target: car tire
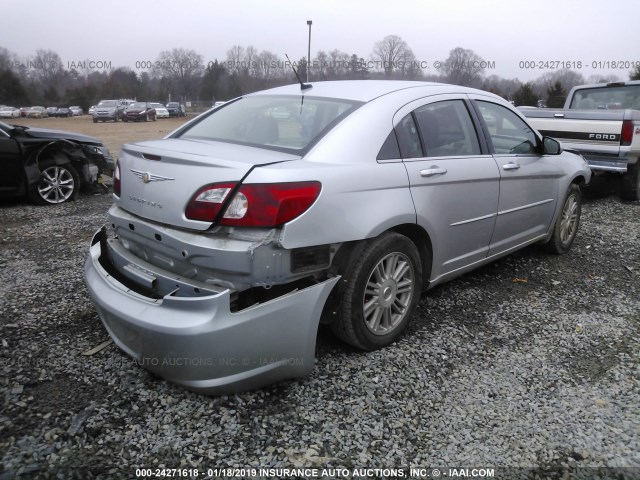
[(381, 291), (567, 223), (631, 182), (95, 120), (58, 184)]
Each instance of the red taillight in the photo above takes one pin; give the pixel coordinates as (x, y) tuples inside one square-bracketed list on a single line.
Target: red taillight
[(205, 205), (253, 205), (627, 132), (116, 179)]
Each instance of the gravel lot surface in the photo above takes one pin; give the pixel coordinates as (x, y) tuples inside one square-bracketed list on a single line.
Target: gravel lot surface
[(533, 361)]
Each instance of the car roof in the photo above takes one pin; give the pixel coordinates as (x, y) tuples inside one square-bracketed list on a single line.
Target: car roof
[(364, 90)]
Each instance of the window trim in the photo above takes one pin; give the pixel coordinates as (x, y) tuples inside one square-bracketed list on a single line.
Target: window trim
[(467, 99), (471, 119), (487, 133)]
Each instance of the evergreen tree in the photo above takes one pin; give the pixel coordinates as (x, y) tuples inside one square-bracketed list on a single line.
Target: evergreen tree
[(525, 96), (12, 92), (556, 95)]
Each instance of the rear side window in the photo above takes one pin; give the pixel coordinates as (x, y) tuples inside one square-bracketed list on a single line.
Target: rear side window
[(509, 134), (447, 129), (390, 149), (288, 123), (408, 138), (607, 98)]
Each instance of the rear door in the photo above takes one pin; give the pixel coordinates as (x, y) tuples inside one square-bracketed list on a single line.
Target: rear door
[(529, 180), (454, 181)]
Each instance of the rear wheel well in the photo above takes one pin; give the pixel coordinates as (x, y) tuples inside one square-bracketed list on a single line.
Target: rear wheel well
[(349, 252), (420, 238)]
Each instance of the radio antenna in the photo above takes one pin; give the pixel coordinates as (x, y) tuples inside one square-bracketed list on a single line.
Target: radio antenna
[(303, 86)]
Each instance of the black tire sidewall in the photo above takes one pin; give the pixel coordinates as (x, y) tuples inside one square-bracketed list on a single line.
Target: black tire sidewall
[(353, 326), (631, 182), (556, 245)]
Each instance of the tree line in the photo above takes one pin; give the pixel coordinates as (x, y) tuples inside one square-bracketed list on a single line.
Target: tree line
[(182, 75)]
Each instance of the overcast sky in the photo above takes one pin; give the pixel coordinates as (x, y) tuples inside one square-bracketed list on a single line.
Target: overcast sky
[(127, 32)]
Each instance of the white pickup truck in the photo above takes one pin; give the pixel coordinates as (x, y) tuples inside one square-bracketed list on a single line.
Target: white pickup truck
[(602, 122)]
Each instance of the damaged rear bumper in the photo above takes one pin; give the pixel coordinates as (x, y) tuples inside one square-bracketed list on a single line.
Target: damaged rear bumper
[(191, 337)]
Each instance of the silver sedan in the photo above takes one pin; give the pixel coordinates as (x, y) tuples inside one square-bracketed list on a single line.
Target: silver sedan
[(233, 237)]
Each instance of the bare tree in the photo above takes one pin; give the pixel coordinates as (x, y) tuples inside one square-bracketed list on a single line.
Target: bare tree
[(183, 68), (463, 67), (603, 79), (251, 62), (391, 53), (8, 60), (504, 87), (320, 66), (338, 64), (235, 57), (568, 79), (270, 66), (47, 70)]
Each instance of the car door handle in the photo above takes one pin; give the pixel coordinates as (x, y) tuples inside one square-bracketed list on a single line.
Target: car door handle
[(431, 171), (511, 166)]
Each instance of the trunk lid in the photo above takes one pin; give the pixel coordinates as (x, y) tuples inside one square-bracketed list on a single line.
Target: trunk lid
[(159, 177)]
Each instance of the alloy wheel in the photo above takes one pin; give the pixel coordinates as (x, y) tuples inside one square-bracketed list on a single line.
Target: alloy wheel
[(388, 293), (57, 185)]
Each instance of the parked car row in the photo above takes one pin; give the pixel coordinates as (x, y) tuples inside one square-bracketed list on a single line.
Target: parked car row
[(39, 112), (105, 110), (131, 111), (9, 112)]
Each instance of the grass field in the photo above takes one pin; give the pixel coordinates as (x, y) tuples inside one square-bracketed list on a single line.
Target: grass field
[(113, 135)]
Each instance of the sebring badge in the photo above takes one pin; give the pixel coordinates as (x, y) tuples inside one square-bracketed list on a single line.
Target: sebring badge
[(147, 177)]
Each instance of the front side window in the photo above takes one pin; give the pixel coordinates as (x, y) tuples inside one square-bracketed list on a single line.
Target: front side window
[(508, 133), (288, 123), (447, 129)]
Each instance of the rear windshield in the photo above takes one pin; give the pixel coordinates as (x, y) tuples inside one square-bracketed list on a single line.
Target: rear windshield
[(607, 98), (288, 123)]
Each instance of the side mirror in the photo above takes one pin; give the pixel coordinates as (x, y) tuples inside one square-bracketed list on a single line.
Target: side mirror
[(551, 146)]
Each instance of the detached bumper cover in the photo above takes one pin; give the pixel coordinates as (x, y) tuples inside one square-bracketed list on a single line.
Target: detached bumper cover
[(197, 342)]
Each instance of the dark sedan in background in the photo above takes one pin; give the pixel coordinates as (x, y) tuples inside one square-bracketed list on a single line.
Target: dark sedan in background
[(139, 112), (176, 109), (64, 112), (49, 166)]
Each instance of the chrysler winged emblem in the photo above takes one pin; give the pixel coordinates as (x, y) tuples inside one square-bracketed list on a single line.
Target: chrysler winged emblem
[(147, 177)]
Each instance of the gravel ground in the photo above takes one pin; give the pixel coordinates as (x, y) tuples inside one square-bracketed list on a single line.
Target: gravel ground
[(532, 361)]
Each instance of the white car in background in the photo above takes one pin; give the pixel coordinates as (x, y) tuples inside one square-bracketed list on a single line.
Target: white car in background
[(161, 110), (9, 112)]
